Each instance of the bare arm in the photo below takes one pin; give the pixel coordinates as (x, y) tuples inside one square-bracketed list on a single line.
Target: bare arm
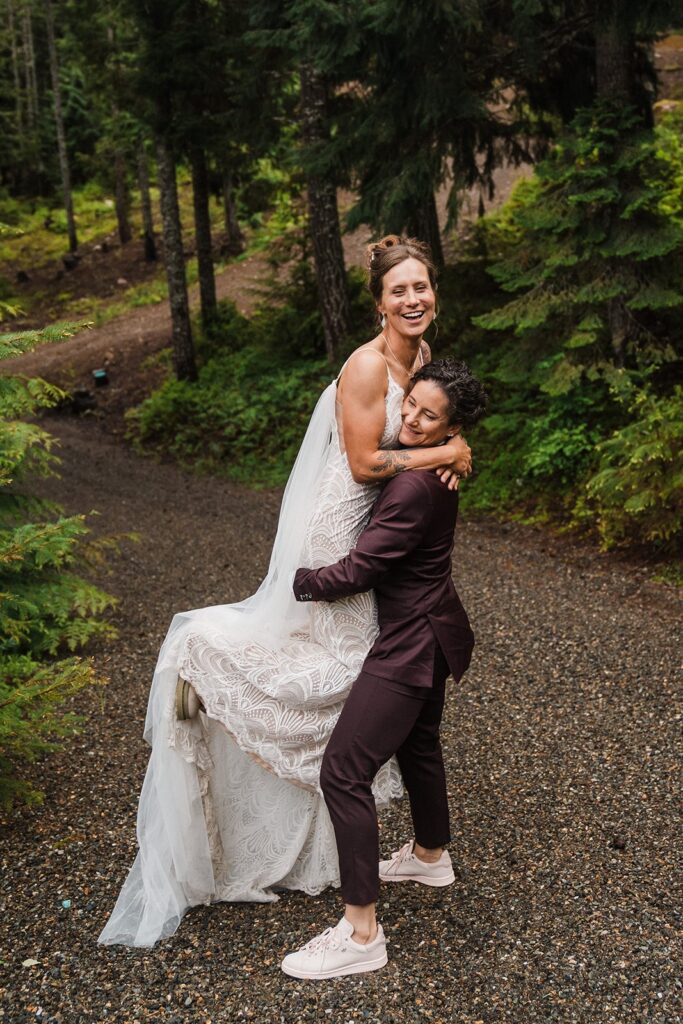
[(363, 385)]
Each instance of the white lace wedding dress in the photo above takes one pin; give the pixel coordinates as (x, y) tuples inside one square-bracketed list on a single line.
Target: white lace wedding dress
[(230, 807)]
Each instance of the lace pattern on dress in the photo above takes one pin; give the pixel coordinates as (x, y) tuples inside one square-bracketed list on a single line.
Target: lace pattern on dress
[(279, 707)]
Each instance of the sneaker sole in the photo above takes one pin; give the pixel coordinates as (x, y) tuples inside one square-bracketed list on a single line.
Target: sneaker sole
[(369, 965), (422, 879)]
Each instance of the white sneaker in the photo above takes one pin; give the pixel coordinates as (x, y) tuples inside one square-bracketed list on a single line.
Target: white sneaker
[(334, 953), (187, 702), (404, 866)]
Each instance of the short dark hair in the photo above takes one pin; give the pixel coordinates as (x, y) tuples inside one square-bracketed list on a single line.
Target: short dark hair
[(467, 398)]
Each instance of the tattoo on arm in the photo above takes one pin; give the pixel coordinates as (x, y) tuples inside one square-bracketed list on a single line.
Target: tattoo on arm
[(391, 462)]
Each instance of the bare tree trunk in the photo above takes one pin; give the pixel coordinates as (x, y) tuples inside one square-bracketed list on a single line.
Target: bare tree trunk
[(613, 74), (202, 227), (59, 123), (31, 77), (146, 204), (617, 318), (183, 347), (323, 218), (234, 236), (18, 97), (613, 58), (426, 227), (121, 197)]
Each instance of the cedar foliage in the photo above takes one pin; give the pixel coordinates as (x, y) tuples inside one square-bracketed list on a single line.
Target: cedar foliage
[(47, 610), (592, 251)]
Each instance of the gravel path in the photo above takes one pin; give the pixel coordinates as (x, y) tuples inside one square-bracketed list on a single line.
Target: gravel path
[(563, 746)]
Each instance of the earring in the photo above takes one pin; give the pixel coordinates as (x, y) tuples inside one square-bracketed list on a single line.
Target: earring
[(436, 313), (383, 321)]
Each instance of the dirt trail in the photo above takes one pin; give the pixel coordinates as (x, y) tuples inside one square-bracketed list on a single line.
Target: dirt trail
[(127, 345)]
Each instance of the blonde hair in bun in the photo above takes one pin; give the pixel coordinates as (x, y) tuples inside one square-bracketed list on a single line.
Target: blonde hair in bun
[(389, 252)]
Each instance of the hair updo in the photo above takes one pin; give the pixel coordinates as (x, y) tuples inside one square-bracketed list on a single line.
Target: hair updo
[(467, 398), (389, 252)]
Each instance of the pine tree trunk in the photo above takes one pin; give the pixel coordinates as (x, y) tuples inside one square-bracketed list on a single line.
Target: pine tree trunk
[(323, 220), (59, 123), (31, 77), (146, 204), (121, 197), (617, 318), (202, 228), (613, 74), (233, 233), (18, 97), (426, 227), (183, 348), (613, 58), (121, 200)]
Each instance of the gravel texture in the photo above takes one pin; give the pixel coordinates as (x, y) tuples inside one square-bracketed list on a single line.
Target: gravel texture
[(563, 751)]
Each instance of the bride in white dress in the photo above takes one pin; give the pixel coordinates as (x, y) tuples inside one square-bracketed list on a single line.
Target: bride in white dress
[(230, 807)]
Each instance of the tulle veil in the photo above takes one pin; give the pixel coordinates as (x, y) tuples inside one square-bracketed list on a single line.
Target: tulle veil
[(173, 869)]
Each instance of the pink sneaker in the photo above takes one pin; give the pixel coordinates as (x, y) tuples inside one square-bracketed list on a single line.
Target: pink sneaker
[(334, 953), (404, 866)]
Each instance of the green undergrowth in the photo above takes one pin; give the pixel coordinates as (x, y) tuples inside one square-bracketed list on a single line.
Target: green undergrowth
[(259, 379), (269, 208)]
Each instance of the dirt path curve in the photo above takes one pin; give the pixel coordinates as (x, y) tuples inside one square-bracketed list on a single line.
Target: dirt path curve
[(561, 752), (126, 346)]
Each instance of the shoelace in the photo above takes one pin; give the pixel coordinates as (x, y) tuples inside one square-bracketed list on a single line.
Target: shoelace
[(400, 856), (329, 939)]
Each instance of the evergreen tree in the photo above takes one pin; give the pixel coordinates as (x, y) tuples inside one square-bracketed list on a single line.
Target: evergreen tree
[(146, 201), (595, 258), (323, 217), (202, 221), (592, 249), (48, 611), (174, 260)]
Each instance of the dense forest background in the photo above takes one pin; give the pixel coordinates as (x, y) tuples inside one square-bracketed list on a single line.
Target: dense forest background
[(150, 144)]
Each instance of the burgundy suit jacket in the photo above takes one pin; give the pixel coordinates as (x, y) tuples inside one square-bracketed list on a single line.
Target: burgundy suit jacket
[(404, 554)]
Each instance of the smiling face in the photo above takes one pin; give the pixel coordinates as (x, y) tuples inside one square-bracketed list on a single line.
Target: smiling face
[(408, 299), (425, 416)]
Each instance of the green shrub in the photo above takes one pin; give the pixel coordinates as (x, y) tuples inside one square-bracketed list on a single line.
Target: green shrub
[(244, 415), (587, 260), (635, 494), (47, 610)]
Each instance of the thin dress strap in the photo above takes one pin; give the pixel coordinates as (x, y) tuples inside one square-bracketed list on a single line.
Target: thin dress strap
[(380, 354)]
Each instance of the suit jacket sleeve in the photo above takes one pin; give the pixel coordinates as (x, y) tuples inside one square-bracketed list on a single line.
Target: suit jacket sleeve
[(399, 521)]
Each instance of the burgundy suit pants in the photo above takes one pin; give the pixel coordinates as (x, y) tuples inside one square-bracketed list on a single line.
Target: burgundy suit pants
[(381, 718)]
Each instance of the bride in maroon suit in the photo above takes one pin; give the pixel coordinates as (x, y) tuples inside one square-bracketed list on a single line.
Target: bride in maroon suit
[(231, 804)]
